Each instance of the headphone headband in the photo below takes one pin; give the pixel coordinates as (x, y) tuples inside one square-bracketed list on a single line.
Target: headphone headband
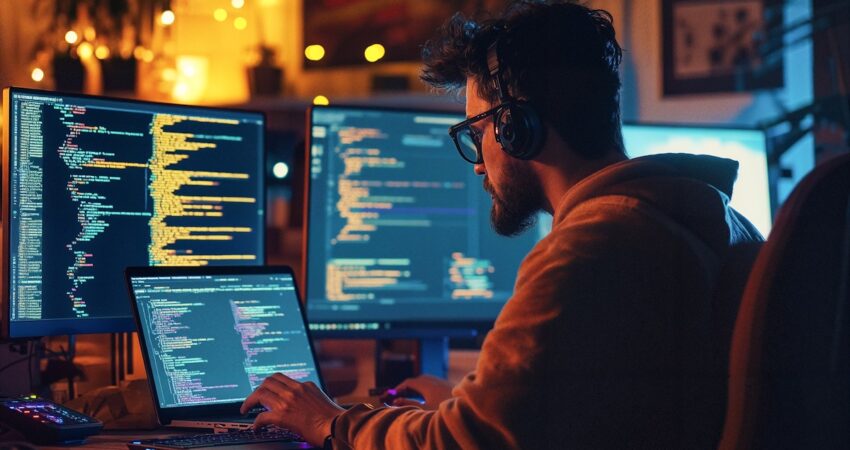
[(493, 55), (517, 126)]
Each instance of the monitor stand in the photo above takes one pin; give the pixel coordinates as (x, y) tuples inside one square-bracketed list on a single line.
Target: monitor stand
[(434, 356), (400, 359)]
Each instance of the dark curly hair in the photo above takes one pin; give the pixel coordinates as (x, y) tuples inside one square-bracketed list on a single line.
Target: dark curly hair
[(561, 57)]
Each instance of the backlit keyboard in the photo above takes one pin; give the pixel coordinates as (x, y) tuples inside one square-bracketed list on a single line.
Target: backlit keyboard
[(268, 434)]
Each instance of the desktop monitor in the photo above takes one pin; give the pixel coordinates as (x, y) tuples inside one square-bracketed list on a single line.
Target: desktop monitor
[(399, 242), (751, 195), (93, 185), (398, 234)]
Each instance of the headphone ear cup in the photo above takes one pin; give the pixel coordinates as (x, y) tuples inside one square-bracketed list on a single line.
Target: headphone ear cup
[(520, 130)]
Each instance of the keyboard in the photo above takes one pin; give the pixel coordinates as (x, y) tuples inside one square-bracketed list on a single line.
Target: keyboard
[(239, 437)]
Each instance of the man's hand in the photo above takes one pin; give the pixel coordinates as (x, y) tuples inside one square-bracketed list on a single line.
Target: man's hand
[(300, 407), (434, 390)]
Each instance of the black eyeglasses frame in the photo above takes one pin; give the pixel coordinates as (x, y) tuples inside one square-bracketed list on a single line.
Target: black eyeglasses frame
[(455, 129)]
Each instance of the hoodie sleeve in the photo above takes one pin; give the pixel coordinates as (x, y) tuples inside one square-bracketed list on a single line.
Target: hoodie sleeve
[(590, 324)]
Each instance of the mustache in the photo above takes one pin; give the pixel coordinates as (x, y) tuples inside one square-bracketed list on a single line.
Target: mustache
[(487, 186)]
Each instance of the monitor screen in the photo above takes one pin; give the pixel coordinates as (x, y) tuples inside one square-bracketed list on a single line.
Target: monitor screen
[(751, 195), (93, 185), (260, 331), (398, 237)]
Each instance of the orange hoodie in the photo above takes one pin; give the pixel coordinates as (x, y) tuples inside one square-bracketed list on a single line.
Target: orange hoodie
[(610, 339)]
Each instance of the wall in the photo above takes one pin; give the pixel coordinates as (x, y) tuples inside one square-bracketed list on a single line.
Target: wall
[(640, 34)]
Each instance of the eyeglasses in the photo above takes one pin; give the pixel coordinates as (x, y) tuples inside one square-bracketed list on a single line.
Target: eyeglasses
[(467, 138)]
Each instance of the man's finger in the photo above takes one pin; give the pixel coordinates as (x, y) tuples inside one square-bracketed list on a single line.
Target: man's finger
[(266, 418), (249, 402), (281, 378), (406, 402), (277, 386), (263, 397)]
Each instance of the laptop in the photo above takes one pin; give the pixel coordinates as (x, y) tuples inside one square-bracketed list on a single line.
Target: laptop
[(210, 335)]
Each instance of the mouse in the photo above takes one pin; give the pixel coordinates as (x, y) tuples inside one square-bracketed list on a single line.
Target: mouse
[(389, 395)]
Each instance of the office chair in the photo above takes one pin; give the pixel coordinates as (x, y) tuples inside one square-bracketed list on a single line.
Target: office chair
[(789, 383)]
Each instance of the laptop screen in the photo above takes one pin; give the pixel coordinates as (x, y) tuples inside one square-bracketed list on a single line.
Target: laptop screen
[(212, 339)]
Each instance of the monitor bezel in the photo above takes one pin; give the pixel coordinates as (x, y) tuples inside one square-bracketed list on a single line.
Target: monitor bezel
[(166, 415), (396, 329), (68, 326)]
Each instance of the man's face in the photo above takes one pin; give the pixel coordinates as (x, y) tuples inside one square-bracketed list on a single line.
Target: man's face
[(514, 187)]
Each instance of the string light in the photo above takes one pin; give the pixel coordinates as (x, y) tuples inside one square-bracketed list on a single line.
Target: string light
[(102, 52), (85, 50), (167, 17), (237, 3), (37, 75), (314, 52), (71, 37), (374, 52), (240, 23), (321, 100), (220, 14)]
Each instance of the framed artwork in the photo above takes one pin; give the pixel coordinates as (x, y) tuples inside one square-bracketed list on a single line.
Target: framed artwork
[(720, 45), (346, 27)]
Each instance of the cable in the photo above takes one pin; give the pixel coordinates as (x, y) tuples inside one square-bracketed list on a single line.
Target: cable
[(17, 361)]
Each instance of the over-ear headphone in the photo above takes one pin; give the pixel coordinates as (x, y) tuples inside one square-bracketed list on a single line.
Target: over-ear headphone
[(517, 125)]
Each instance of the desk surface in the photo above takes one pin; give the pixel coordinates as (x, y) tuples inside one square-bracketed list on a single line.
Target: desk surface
[(115, 440)]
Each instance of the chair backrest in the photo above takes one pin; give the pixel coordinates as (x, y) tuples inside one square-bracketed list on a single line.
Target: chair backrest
[(789, 383)]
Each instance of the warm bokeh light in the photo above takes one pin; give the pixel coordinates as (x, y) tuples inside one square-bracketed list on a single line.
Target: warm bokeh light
[(85, 50), (102, 52), (237, 3), (71, 37), (220, 14), (37, 75), (90, 34), (167, 17), (169, 74), (139, 52), (240, 23), (280, 170), (321, 100), (181, 91), (147, 55), (374, 52), (314, 52), (192, 76)]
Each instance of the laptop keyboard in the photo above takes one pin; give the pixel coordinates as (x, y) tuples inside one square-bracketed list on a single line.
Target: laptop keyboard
[(268, 434)]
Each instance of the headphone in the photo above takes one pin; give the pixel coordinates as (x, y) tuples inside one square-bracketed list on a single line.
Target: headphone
[(517, 126)]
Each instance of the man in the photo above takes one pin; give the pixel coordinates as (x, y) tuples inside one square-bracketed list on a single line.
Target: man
[(612, 338)]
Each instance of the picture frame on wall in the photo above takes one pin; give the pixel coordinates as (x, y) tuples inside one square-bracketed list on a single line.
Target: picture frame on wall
[(714, 46)]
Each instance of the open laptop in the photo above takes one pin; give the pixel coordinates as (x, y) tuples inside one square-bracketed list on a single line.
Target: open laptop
[(210, 335)]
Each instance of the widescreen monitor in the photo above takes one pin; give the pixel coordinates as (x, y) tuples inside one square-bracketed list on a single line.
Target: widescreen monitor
[(751, 192), (93, 185), (399, 240), (398, 234)]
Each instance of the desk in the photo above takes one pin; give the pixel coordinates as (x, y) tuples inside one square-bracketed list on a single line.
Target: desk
[(117, 440)]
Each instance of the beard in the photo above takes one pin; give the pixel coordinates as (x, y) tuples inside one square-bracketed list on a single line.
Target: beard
[(518, 201)]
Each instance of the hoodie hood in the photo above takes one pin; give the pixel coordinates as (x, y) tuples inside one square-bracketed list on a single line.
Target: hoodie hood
[(693, 190)]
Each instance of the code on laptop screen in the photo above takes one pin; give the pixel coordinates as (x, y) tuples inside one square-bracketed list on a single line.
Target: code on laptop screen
[(214, 338)]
